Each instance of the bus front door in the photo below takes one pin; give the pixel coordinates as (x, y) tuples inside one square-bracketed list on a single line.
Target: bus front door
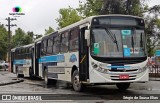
[(83, 57)]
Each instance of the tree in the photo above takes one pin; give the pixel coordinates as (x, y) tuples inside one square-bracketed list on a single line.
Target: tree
[(21, 38), (31, 34), (153, 29), (112, 7), (89, 8), (49, 30), (101, 7), (38, 36), (3, 42), (67, 16)]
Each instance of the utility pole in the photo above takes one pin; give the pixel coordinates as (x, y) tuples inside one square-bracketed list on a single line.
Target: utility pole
[(9, 34)]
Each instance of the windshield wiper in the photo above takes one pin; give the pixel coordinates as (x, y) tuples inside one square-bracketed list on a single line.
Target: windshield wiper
[(113, 37), (141, 42), (132, 43), (132, 40)]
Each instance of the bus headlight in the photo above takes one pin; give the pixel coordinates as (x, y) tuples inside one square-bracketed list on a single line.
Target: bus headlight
[(94, 65), (99, 68), (142, 69)]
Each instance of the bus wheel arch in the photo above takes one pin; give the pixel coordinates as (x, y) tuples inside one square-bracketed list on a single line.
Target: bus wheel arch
[(46, 79), (31, 74), (17, 73), (45, 75), (77, 85), (73, 69)]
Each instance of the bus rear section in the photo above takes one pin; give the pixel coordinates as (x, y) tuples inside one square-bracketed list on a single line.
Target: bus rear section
[(22, 61)]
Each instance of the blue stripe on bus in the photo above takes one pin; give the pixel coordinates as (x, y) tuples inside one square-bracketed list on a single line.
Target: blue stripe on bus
[(118, 66), (19, 62), (52, 58)]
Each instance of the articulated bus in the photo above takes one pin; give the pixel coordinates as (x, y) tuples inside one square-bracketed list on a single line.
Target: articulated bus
[(22, 60), (106, 49)]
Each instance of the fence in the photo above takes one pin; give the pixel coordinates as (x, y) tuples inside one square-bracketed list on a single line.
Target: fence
[(154, 70)]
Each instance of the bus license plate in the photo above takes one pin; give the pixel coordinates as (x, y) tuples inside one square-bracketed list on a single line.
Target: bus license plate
[(124, 77)]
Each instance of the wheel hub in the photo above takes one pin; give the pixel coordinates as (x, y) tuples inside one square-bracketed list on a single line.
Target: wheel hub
[(76, 81)]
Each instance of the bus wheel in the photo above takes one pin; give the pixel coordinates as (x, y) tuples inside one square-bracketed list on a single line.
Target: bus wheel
[(47, 80), (77, 86), (18, 75), (31, 75), (123, 86)]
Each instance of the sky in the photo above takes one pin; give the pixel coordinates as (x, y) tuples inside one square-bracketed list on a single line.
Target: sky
[(39, 14)]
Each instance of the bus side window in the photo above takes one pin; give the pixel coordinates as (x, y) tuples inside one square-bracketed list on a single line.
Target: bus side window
[(73, 40), (43, 48), (64, 42), (56, 46), (49, 46)]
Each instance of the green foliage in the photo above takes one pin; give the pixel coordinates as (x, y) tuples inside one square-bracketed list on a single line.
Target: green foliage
[(128, 7), (3, 42), (49, 30), (101, 7), (153, 29), (21, 38), (31, 35), (113, 7), (89, 8), (67, 16), (38, 36)]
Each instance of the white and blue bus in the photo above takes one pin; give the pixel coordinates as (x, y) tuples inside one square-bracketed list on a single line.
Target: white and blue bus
[(96, 50), (106, 49), (22, 60)]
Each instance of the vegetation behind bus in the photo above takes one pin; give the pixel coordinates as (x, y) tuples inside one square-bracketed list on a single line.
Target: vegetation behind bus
[(89, 8), (130, 7)]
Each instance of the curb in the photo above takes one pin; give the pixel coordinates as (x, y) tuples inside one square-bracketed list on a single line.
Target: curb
[(13, 82)]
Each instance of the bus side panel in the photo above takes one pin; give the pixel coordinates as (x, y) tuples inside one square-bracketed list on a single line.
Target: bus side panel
[(71, 59)]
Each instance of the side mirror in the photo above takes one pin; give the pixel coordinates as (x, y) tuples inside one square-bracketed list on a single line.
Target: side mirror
[(87, 36)]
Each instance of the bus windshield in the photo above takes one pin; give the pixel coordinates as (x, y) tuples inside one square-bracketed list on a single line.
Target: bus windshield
[(114, 42)]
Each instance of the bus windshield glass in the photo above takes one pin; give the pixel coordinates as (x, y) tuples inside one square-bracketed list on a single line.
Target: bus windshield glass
[(114, 42)]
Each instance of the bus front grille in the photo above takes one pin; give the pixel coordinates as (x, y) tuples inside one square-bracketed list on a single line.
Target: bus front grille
[(122, 70), (117, 77)]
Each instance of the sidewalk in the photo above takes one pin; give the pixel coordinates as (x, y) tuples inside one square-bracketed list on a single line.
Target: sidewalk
[(8, 78)]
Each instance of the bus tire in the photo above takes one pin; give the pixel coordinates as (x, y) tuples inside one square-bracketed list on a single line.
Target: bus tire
[(77, 85), (123, 86), (47, 80), (31, 75), (19, 75)]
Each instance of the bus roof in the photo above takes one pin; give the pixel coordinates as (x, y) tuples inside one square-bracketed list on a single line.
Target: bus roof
[(24, 46), (89, 19)]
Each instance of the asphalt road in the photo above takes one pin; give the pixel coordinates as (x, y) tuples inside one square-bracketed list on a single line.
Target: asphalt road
[(93, 94)]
